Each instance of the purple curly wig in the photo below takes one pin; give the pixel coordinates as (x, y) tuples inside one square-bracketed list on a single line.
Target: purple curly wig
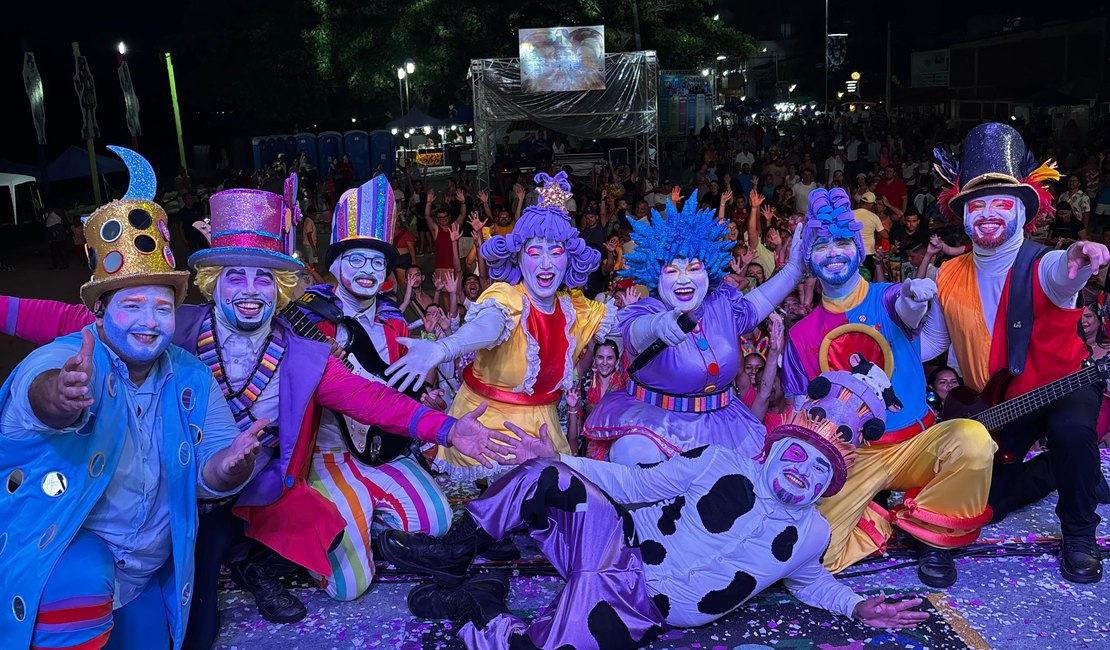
[(550, 223), (829, 214)]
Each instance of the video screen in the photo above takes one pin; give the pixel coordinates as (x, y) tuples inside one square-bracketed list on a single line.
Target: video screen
[(561, 59)]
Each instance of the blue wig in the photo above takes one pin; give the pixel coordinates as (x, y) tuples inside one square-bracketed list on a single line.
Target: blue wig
[(691, 234), (829, 214), (550, 221)]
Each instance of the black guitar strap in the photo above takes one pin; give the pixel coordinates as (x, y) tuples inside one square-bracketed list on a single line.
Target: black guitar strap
[(320, 306), (1019, 311)]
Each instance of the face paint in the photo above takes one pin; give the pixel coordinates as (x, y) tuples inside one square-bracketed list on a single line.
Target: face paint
[(992, 220), (362, 272), (834, 261), (139, 323), (683, 284), (246, 296), (796, 472), (543, 263)]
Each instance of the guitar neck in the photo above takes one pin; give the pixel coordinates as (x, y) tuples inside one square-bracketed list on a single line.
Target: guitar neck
[(302, 326), (1002, 414)]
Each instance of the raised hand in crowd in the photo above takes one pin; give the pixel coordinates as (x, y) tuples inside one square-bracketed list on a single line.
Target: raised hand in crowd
[(630, 296), (455, 231), (755, 197), (483, 196)]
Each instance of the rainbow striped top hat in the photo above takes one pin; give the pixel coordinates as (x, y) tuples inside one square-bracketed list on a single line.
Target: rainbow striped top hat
[(364, 219), (253, 228)]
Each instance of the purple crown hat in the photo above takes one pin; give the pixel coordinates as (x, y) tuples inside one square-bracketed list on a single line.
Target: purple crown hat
[(251, 228), (364, 219), (842, 411)]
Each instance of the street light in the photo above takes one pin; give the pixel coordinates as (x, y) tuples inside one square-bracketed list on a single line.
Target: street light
[(792, 87), (721, 57), (705, 72), (122, 48), (410, 66)]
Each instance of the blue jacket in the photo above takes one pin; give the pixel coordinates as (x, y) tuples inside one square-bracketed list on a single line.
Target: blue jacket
[(36, 528)]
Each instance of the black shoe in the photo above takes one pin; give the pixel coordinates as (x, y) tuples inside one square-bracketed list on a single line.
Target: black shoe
[(445, 559), (479, 599), (935, 566), (433, 600), (502, 551), (275, 603), (1080, 559)]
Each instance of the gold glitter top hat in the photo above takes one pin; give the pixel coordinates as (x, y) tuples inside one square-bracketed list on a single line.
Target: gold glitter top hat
[(129, 239)]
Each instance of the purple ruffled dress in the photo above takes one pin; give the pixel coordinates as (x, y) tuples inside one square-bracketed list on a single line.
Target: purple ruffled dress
[(662, 402)]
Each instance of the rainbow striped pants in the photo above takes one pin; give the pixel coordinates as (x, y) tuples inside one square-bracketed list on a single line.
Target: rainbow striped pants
[(398, 494)]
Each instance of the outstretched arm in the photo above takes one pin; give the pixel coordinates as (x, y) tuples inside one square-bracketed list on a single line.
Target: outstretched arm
[(1064, 273), (488, 328), (41, 321)]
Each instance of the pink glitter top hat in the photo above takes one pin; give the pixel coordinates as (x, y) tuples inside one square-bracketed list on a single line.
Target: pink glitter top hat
[(251, 228)]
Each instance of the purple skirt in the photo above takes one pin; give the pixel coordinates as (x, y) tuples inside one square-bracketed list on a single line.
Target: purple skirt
[(620, 414)]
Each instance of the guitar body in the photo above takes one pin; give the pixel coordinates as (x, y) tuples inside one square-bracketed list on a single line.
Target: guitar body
[(963, 402)]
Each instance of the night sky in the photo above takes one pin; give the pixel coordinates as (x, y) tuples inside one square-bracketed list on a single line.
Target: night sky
[(47, 28)]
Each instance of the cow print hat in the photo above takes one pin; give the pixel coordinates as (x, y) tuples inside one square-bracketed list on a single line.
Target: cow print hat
[(842, 410)]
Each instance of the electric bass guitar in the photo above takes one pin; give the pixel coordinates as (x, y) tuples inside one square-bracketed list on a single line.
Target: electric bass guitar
[(378, 446), (989, 409)]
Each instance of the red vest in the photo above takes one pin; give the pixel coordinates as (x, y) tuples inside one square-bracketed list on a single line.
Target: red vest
[(1055, 349)]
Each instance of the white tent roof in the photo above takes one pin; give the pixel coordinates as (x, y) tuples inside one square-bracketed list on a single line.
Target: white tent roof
[(11, 181), (16, 179)]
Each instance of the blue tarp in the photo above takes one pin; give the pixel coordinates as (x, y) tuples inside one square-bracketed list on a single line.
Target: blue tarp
[(74, 163)]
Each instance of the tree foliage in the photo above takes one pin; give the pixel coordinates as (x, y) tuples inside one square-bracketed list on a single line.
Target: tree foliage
[(315, 60)]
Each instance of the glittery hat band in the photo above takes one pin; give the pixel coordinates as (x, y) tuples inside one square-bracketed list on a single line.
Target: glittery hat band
[(245, 239)]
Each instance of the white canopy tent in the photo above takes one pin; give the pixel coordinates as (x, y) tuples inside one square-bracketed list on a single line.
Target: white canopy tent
[(11, 181)]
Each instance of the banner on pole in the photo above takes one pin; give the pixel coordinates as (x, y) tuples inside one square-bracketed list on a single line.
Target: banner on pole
[(836, 50), (130, 101), (32, 83), (86, 92)]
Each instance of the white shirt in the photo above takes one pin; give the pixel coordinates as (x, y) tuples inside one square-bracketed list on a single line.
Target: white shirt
[(745, 157)]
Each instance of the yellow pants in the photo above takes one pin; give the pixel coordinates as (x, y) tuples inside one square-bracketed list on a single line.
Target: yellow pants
[(950, 462)]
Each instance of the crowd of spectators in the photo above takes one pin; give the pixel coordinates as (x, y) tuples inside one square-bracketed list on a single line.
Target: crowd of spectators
[(756, 174)]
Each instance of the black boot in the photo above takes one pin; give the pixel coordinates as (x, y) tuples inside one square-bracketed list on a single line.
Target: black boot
[(445, 559), (935, 566), (275, 603), (503, 550), (480, 599), (433, 600), (1080, 559)]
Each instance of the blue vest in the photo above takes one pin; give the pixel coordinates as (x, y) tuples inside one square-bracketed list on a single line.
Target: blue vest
[(35, 528), (908, 379)]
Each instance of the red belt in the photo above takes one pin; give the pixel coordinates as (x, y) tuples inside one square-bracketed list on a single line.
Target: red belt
[(909, 431), (505, 396)]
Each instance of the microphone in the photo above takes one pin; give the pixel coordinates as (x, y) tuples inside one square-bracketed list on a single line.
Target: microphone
[(685, 323)]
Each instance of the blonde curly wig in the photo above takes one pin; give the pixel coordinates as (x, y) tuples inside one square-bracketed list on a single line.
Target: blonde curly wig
[(288, 283)]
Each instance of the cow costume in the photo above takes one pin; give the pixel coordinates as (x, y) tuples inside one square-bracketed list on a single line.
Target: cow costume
[(680, 542)]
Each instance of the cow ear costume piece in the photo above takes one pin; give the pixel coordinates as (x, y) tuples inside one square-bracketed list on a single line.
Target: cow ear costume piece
[(842, 411)]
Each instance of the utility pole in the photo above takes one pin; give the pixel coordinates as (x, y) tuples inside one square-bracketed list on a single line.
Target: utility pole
[(636, 22), (888, 72), (176, 112)]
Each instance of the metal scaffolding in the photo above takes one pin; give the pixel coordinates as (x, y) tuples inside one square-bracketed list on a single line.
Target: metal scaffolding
[(626, 108)]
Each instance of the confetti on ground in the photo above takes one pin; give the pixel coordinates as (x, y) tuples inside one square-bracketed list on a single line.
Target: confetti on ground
[(1013, 602)]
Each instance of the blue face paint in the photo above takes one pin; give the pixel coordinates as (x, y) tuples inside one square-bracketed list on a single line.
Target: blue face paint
[(246, 296), (834, 261), (139, 323)]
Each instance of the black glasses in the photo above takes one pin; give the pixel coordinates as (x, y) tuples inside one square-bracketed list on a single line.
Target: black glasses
[(358, 260)]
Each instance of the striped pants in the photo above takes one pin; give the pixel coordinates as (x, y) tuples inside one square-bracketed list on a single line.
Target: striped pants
[(398, 494), (75, 612)]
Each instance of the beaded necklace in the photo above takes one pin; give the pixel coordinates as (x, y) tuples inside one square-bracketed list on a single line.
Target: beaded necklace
[(241, 401)]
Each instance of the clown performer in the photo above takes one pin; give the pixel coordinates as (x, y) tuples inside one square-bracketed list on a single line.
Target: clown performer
[(1012, 305), (677, 543), (371, 492), (526, 330), (684, 398), (944, 468), (107, 438), (265, 372)]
